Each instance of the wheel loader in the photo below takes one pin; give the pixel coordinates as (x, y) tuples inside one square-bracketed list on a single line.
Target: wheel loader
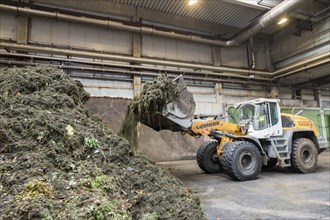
[(261, 137)]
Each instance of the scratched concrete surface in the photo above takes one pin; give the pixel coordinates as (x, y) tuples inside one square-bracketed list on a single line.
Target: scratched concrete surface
[(276, 194)]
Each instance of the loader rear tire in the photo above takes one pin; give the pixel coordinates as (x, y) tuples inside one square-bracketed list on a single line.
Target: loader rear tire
[(241, 161), (303, 156), (207, 158)]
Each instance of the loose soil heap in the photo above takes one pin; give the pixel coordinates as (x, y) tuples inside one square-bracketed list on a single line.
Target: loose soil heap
[(147, 108), (58, 161)]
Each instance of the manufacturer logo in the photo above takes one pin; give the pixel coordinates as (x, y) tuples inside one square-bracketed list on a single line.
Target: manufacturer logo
[(304, 123), (206, 125)]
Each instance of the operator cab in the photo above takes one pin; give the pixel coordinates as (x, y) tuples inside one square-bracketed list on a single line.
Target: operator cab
[(261, 116)]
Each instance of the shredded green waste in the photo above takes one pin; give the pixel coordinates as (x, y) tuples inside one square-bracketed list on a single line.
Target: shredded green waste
[(59, 161), (147, 107)]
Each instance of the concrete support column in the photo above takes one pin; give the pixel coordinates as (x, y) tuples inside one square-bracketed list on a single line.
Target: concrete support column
[(269, 57), (216, 56), (219, 97), (274, 93), (136, 49), (136, 41), (137, 86), (22, 29), (136, 45)]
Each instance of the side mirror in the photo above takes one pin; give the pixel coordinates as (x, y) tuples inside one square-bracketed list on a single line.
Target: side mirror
[(300, 112), (244, 128)]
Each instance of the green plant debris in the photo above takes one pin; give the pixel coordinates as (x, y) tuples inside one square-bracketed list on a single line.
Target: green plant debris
[(91, 142), (103, 182), (109, 210), (49, 170), (35, 188), (148, 106), (149, 216)]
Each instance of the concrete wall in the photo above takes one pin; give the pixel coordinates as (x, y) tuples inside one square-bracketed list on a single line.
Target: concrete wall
[(157, 146), (46, 31), (9, 25), (176, 50), (50, 31), (166, 145), (110, 97), (288, 47)]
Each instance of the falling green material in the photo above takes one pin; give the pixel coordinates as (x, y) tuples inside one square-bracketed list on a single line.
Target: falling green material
[(147, 108), (59, 161)]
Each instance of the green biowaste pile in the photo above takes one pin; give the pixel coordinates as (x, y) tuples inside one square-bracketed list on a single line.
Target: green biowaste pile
[(147, 107), (59, 161)]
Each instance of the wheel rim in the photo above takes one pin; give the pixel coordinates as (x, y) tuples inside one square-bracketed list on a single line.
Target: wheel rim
[(306, 156), (214, 158), (246, 161)]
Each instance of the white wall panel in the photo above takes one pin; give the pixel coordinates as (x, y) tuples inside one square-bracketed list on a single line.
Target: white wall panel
[(326, 104), (200, 90), (106, 84), (234, 56), (261, 58), (287, 44), (310, 103), (230, 100), (211, 98), (285, 93), (107, 88), (307, 94), (208, 108), (175, 50), (113, 93), (290, 102), (245, 93), (79, 35), (8, 25)]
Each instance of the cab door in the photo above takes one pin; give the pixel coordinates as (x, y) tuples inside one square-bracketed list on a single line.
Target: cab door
[(275, 123), (267, 122)]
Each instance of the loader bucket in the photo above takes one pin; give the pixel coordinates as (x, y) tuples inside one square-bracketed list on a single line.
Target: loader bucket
[(178, 113)]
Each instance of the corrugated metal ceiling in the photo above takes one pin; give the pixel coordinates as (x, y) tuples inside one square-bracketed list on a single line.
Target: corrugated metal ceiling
[(215, 11)]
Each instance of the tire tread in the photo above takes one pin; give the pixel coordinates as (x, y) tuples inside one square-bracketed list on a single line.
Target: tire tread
[(228, 162), (295, 165), (200, 156)]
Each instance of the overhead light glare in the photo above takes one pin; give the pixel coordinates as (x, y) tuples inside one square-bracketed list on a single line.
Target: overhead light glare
[(192, 2), (282, 21)]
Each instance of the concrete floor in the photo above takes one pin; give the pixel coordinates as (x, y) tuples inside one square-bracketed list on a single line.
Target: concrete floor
[(276, 194)]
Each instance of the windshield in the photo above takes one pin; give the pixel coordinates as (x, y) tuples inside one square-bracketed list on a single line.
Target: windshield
[(255, 114)]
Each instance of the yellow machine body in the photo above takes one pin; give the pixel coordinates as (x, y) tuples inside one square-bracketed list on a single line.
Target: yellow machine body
[(300, 123), (203, 128)]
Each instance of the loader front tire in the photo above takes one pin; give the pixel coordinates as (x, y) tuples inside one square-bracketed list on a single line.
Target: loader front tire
[(207, 158), (241, 161), (303, 156)]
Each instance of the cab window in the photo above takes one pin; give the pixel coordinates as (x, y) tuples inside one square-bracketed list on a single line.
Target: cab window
[(273, 113)]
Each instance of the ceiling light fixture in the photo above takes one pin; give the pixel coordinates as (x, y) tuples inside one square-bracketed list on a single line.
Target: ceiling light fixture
[(282, 21), (192, 2)]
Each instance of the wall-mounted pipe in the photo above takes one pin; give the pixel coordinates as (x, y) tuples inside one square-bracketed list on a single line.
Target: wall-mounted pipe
[(131, 67), (32, 48), (22, 63), (277, 74), (265, 20), (301, 63), (318, 63), (155, 74), (250, 53)]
